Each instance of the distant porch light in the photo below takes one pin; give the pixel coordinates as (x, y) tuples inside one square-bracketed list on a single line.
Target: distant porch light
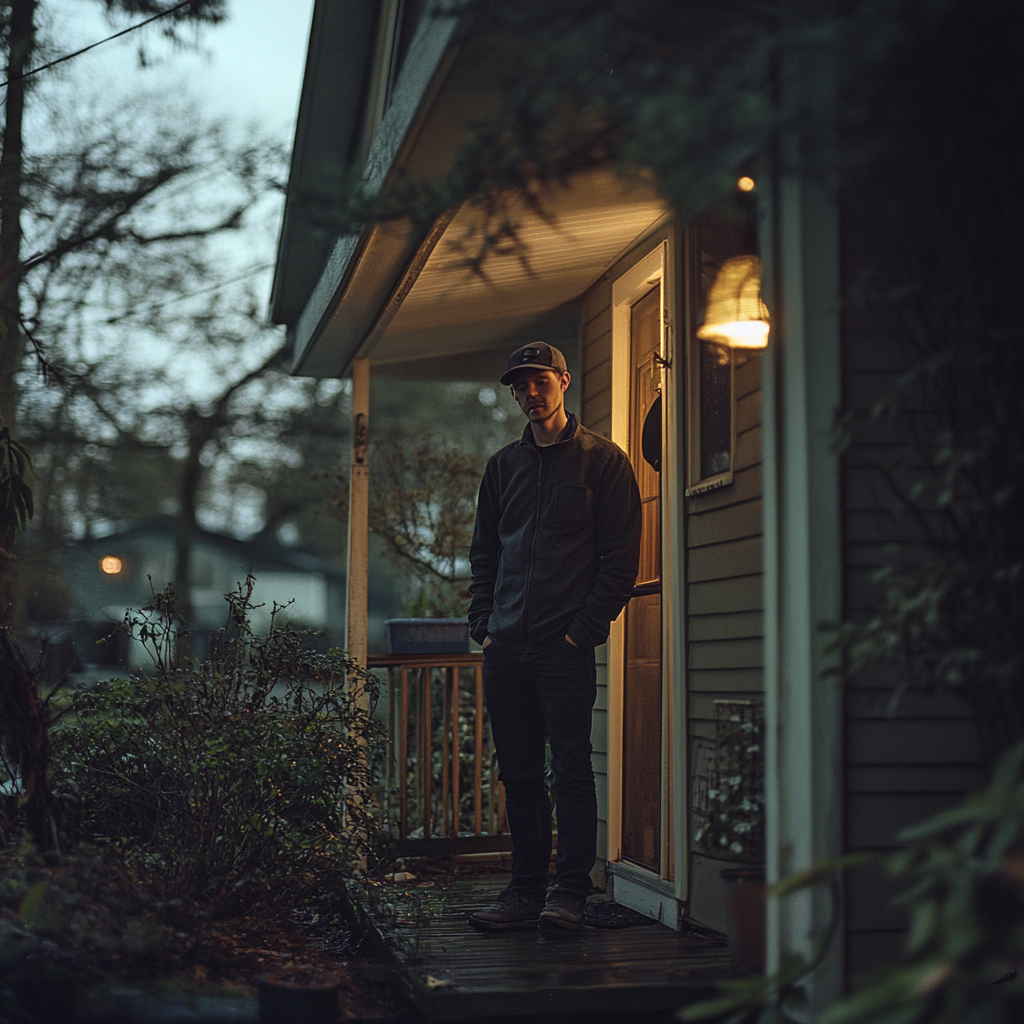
[(110, 565)]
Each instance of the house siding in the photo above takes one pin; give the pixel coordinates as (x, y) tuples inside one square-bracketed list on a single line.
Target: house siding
[(596, 414), (901, 764), (725, 622), (725, 605), (596, 358)]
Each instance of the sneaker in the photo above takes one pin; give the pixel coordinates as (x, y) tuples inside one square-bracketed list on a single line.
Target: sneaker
[(562, 912), (511, 910)]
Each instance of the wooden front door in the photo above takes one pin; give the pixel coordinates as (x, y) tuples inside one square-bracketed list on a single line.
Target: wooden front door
[(642, 697)]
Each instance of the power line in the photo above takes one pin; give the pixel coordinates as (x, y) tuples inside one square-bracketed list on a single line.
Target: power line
[(154, 306), (92, 46)]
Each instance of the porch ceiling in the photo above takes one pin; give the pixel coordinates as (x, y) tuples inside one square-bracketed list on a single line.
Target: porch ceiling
[(444, 307)]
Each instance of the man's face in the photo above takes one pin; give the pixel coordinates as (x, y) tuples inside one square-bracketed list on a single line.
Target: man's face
[(539, 393)]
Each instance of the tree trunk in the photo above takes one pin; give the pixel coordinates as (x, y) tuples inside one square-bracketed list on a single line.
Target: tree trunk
[(24, 732), (201, 430), (188, 499), (184, 537), (21, 40), (24, 728)]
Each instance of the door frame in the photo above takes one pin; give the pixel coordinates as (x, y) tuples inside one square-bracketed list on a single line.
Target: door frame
[(657, 264)]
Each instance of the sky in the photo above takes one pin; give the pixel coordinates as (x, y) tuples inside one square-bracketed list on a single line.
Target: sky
[(247, 71), (249, 67)]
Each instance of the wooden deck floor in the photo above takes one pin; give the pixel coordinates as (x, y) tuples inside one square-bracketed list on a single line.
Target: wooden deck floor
[(453, 972)]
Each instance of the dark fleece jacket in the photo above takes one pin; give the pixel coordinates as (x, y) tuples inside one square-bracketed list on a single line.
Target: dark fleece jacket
[(557, 542)]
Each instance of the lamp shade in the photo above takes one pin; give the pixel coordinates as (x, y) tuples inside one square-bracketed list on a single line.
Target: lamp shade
[(736, 315)]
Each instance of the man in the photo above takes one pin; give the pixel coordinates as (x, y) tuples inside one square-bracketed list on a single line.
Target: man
[(554, 555)]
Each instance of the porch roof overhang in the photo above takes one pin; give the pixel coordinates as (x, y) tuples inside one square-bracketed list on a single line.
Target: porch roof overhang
[(412, 302)]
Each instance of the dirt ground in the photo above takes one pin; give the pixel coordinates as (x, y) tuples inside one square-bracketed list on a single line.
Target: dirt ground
[(83, 924), (294, 945)]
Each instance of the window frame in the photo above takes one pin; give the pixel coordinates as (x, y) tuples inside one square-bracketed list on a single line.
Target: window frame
[(697, 484)]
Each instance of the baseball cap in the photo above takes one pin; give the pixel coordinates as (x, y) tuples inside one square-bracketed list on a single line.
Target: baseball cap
[(538, 355)]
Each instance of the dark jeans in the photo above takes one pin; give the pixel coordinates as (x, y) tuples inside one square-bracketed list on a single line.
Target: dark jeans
[(549, 694)]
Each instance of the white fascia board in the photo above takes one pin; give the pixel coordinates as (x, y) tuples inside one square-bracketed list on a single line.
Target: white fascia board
[(417, 83)]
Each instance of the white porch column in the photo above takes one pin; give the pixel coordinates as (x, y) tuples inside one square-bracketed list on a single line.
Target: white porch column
[(358, 514), (803, 569)]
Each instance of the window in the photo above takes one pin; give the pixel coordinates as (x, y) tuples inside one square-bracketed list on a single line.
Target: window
[(716, 400), (711, 240)]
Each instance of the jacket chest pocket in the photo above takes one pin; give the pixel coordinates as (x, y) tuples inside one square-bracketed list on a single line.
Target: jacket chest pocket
[(570, 507)]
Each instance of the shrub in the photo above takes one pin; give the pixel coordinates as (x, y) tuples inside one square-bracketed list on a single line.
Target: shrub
[(250, 767), (734, 829)]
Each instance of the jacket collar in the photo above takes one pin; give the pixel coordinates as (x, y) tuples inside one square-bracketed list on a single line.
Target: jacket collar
[(567, 434)]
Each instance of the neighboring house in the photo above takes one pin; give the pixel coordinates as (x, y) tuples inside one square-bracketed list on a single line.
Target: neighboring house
[(758, 532), (107, 575)]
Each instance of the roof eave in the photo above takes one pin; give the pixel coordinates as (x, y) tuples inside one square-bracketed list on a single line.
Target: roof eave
[(429, 59), (340, 42)]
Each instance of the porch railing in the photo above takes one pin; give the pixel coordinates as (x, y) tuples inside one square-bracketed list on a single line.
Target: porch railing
[(441, 785)]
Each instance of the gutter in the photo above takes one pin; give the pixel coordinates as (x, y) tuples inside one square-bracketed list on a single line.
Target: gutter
[(339, 49)]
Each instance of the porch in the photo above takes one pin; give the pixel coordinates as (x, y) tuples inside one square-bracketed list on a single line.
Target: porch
[(440, 785), (452, 972)]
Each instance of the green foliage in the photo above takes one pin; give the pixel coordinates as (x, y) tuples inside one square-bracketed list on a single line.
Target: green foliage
[(252, 766), (949, 598), (947, 603), (965, 874), (775, 998), (87, 902), (666, 94), (89, 899), (16, 502), (423, 506), (735, 826)]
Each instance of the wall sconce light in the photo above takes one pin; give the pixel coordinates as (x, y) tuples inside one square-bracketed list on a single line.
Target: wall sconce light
[(110, 565), (736, 315)]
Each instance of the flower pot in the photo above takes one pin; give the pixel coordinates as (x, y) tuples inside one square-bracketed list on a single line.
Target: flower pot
[(744, 892)]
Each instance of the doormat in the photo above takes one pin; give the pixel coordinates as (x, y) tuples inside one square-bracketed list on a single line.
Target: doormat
[(608, 914)]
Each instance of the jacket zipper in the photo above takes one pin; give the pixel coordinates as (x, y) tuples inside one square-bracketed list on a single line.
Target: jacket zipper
[(533, 545)]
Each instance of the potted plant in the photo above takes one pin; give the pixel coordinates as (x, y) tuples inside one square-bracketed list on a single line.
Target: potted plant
[(734, 826)]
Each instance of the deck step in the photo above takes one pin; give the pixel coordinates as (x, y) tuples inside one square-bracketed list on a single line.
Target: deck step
[(453, 972)]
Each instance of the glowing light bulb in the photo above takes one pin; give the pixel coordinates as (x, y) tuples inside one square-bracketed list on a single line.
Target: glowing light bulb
[(736, 315), (111, 565), (745, 184)]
